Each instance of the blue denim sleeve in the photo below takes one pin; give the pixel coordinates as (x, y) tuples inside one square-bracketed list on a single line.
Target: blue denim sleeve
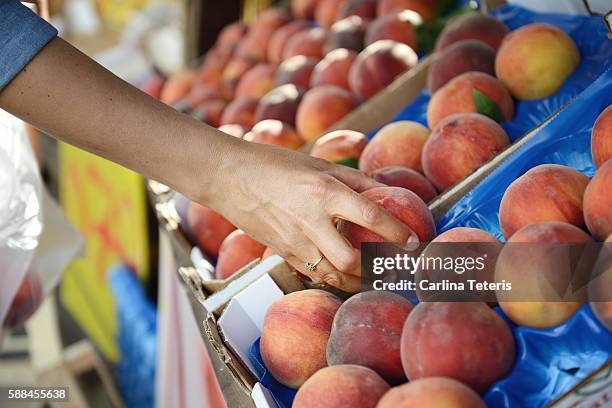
[(22, 35)]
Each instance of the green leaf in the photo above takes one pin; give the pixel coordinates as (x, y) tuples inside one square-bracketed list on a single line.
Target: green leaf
[(350, 162), (427, 33), (446, 6), (487, 106)]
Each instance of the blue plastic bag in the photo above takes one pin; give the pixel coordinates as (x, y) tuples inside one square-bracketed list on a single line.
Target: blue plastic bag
[(590, 35)]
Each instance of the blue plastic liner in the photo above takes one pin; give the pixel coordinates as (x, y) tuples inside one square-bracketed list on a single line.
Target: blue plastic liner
[(283, 396), (590, 35), (137, 339), (565, 140)]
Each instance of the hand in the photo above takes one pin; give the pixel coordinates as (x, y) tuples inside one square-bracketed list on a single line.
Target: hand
[(291, 202)]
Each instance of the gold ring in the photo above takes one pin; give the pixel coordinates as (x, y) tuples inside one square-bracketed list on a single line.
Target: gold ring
[(311, 267)]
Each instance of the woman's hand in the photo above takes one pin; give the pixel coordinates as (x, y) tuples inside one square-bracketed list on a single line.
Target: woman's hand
[(290, 202)]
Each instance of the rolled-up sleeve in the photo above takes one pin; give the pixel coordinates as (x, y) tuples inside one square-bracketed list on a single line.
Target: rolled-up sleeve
[(22, 35)]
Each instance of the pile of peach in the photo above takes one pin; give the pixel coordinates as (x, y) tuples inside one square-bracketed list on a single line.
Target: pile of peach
[(361, 352)]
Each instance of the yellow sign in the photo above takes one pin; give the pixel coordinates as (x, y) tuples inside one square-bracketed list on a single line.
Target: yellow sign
[(107, 203)]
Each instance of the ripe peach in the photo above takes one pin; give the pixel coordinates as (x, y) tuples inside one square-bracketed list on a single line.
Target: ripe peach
[(458, 58), (237, 250), (472, 26), (281, 103), (597, 202), (459, 95), (549, 192), (476, 343), (232, 33), (257, 81), (240, 111), (396, 144), (274, 17), (199, 93), (334, 69), (177, 86), (309, 43), (404, 205), (347, 33), (600, 286), (378, 65), (341, 386), (460, 144), (466, 234), (304, 8), (326, 12), (398, 176), (370, 321), (297, 71), (540, 274), (340, 146), (234, 130), (428, 9), (322, 107), (210, 112), (255, 45), (399, 26), (365, 9), (295, 333), (535, 60), (211, 74), (280, 37), (233, 72), (207, 228), (601, 137), (274, 132), (431, 392)]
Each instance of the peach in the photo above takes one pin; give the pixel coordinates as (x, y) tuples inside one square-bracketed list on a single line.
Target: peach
[(274, 132), (396, 144), (334, 69), (347, 33), (234, 130), (211, 74), (341, 386), (404, 205), (267, 253), (400, 27), (27, 300), (232, 33), (549, 192), (257, 81), (476, 343), (431, 392), (321, 108), (297, 71), (274, 17), (540, 274), (601, 137), (207, 228), (458, 58), (240, 111), (237, 250), (342, 146), (466, 234), (600, 286), (365, 9), (472, 26), (326, 12), (309, 43), (370, 321), (281, 103), (280, 37), (210, 112), (471, 92), (398, 176), (233, 72), (460, 144), (428, 9), (255, 45), (296, 329), (177, 86), (535, 60), (378, 65), (304, 8), (199, 93), (219, 55), (597, 202)]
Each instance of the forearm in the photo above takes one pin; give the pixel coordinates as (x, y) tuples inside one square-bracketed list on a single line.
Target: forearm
[(69, 96)]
